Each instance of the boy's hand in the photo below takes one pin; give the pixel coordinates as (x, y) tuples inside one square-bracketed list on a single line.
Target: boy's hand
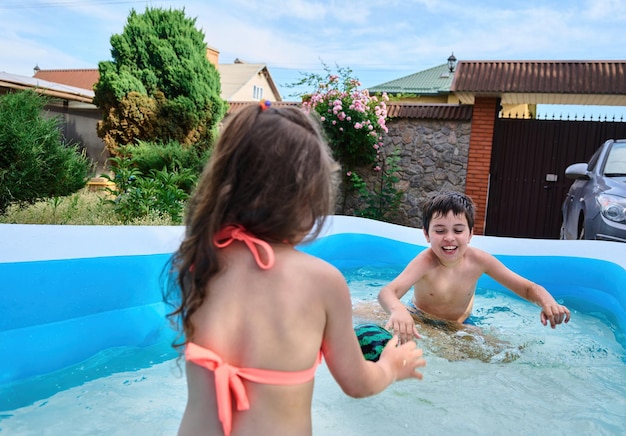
[(555, 314), (401, 323)]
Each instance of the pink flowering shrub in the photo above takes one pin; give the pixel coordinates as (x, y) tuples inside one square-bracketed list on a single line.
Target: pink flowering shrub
[(354, 122), (353, 119)]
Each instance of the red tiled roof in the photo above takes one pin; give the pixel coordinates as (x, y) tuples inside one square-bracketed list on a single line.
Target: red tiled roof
[(542, 82), (430, 111), (394, 110), (236, 106), (85, 78), (566, 77)]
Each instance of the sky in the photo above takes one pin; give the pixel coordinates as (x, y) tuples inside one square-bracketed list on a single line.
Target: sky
[(379, 40)]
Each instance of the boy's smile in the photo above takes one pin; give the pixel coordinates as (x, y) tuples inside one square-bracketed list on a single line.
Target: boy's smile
[(450, 248)]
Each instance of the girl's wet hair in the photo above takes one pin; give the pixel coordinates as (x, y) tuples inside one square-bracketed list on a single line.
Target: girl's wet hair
[(272, 172), (444, 202)]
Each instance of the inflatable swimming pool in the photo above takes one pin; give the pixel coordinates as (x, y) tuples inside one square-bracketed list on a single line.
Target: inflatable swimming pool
[(68, 292)]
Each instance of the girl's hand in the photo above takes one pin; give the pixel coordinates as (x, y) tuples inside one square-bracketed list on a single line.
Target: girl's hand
[(403, 360)]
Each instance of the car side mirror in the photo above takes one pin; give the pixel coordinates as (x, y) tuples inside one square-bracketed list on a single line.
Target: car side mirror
[(577, 171)]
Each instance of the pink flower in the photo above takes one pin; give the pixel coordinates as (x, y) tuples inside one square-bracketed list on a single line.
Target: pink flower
[(349, 173), (322, 119), (377, 168)]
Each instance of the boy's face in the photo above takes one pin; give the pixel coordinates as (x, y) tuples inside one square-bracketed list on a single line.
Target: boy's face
[(448, 235)]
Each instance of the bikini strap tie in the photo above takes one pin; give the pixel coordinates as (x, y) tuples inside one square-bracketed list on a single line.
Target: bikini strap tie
[(229, 387), (228, 383), (235, 232)]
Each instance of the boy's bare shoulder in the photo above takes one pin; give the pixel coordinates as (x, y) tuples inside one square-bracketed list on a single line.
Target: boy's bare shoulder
[(477, 252), (479, 257), (426, 257)]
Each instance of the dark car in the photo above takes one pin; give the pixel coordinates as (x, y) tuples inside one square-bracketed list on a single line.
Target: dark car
[(595, 206)]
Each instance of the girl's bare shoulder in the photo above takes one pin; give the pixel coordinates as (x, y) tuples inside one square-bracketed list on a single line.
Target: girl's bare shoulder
[(306, 263)]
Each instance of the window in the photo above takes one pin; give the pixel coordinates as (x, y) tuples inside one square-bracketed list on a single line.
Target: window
[(257, 92)]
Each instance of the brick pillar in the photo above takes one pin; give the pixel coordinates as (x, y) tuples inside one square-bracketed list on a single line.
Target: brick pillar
[(479, 159)]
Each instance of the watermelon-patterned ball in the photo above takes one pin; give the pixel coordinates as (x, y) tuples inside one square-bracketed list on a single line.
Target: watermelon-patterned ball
[(372, 339)]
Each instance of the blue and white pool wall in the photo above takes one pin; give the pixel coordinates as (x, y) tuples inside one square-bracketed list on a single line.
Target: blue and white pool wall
[(68, 292)]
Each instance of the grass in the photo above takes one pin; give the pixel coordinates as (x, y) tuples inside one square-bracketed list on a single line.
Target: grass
[(82, 208)]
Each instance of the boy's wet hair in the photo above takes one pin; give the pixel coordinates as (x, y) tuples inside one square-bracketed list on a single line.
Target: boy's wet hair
[(444, 202)]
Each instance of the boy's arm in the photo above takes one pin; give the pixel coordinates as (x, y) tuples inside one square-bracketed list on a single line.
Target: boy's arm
[(400, 320), (551, 311)]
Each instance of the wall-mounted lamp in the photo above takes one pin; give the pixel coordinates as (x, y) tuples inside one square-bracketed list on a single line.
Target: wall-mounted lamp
[(451, 62)]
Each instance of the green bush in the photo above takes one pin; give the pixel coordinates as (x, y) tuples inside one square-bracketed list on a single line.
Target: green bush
[(35, 160), (173, 156), (138, 195)]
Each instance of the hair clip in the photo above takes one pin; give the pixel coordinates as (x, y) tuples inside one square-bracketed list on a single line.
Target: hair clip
[(265, 104)]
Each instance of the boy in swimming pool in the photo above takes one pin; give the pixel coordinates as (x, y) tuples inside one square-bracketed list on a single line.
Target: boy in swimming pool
[(444, 276), (258, 314)]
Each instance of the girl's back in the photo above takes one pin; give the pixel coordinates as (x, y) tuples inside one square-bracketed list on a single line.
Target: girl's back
[(264, 319)]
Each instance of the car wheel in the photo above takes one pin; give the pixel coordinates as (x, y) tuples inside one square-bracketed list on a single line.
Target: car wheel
[(581, 226)]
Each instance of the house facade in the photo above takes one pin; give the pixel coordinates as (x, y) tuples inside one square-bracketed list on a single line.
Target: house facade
[(72, 92)]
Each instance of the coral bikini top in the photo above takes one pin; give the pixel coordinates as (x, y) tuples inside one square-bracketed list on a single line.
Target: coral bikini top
[(229, 385)]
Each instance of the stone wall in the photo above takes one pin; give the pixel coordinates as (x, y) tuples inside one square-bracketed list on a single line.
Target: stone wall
[(433, 157)]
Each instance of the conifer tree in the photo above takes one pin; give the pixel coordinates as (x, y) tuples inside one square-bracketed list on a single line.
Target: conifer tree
[(160, 85)]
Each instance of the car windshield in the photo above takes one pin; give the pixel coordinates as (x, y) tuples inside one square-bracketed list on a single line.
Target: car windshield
[(616, 161)]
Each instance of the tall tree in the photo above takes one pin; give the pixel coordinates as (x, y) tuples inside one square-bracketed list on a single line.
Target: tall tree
[(160, 85)]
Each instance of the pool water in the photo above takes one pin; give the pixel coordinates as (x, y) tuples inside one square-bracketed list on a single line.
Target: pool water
[(571, 380)]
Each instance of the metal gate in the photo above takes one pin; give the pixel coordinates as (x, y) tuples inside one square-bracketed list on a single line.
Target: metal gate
[(527, 182)]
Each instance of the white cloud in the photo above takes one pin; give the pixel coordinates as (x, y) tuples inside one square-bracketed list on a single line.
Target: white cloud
[(606, 10), (374, 38)]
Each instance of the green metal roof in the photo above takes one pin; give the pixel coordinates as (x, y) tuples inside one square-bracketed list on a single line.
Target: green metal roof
[(433, 81)]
